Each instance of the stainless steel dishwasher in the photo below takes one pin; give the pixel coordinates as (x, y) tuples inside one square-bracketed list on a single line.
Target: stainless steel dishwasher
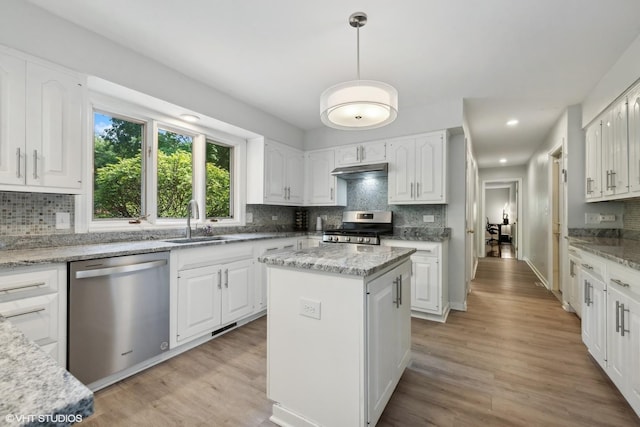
[(118, 313)]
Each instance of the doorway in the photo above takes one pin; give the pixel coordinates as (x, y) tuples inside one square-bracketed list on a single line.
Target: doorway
[(501, 213), (557, 225)]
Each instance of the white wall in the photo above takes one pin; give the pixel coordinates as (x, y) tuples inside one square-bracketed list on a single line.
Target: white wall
[(618, 79), (456, 220), (32, 30), (495, 201)]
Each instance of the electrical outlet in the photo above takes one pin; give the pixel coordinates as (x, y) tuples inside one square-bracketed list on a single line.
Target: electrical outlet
[(428, 218), (591, 218), (63, 220), (607, 218), (249, 217), (274, 217), (310, 308)]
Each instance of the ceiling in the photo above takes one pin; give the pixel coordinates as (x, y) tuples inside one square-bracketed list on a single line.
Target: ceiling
[(526, 59)]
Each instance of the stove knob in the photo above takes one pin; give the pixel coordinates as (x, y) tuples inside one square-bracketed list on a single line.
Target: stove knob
[(331, 239), (347, 239), (360, 239), (367, 240)]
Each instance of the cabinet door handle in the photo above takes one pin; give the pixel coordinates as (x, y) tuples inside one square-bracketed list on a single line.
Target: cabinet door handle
[(362, 153), (412, 190), (589, 190), (395, 292), (226, 278), (24, 313), (613, 179), (620, 283), (622, 327), (587, 266), (35, 164), (219, 279), (617, 316), (18, 162), (30, 285), (400, 291), (331, 194), (417, 189), (585, 291), (358, 153)]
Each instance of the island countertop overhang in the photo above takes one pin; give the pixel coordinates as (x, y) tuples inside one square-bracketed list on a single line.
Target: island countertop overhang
[(354, 260)]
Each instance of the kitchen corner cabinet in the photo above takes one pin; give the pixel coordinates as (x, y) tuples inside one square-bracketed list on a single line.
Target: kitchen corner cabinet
[(417, 169), (357, 154), (215, 287), (275, 173), (34, 299), (41, 116), (322, 188), (429, 288)]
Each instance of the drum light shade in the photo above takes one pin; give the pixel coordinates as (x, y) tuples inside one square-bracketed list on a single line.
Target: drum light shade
[(359, 104)]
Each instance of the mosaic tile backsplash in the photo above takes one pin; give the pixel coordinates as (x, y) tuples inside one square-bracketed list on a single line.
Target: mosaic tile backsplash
[(33, 213)]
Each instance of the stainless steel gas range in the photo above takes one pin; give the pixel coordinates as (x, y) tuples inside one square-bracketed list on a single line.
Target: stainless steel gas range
[(361, 227)]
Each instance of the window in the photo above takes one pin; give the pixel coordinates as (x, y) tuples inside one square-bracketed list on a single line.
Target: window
[(145, 172), (117, 167), (219, 193), (175, 174)]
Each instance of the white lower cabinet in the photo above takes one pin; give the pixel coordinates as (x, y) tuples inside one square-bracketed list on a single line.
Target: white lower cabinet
[(264, 248), (212, 295), (611, 320), (623, 333), (429, 289), (34, 299), (594, 316), (389, 336)]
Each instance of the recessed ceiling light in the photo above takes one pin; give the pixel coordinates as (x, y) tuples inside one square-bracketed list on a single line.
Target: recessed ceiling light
[(503, 160), (512, 122), (191, 118)]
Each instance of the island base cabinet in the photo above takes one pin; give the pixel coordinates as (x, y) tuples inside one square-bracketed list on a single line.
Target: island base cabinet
[(333, 340)]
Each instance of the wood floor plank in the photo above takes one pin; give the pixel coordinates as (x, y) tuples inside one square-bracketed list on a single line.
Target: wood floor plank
[(515, 358)]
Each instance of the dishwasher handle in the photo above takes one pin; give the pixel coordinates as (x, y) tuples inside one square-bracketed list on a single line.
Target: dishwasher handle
[(84, 274)]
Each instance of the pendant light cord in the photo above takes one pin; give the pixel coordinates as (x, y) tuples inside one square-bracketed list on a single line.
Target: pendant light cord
[(358, 48)]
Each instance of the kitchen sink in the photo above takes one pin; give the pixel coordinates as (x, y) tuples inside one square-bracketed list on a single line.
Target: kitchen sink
[(199, 239)]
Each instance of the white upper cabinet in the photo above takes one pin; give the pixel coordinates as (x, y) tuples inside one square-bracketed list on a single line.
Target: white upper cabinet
[(322, 188), (633, 109), (370, 152), (615, 150), (417, 169), (593, 157), (275, 173), (41, 115)]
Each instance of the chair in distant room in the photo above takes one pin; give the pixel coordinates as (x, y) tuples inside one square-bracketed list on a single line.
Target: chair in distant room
[(492, 229)]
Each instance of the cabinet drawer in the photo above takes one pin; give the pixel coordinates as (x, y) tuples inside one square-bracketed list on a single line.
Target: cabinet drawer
[(593, 264), (623, 278), (28, 283), (36, 317), (210, 255)]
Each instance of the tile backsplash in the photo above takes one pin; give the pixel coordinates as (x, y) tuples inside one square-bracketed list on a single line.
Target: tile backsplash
[(631, 218), (33, 213)]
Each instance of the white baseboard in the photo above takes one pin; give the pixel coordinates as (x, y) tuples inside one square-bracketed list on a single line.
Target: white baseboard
[(537, 272)]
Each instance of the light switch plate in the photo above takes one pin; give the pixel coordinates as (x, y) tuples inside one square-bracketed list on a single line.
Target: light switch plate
[(428, 218), (249, 217), (274, 217), (63, 220)]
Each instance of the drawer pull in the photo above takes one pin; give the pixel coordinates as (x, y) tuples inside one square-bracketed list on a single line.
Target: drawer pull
[(620, 283), (30, 285), (587, 266), (24, 313)]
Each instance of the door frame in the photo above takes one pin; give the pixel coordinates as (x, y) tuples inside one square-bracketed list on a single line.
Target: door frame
[(559, 151), (519, 228)]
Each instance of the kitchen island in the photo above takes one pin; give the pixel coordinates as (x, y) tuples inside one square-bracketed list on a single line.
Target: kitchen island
[(338, 332)]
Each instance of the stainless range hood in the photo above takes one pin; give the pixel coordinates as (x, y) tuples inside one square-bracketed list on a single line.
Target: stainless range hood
[(361, 171)]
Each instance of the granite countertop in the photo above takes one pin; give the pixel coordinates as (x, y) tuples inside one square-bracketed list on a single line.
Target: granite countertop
[(26, 257), (356, 260), (34, 390), (623, 251)]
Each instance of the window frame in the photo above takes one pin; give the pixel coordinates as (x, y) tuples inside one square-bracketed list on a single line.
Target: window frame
[(153, 121)]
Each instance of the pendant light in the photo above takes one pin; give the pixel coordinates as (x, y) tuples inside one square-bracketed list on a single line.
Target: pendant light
[(359, 104)]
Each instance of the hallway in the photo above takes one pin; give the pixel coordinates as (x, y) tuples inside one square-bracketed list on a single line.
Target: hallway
[(514, 358)]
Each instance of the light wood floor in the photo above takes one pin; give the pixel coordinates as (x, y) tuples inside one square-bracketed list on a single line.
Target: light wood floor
[(515, 358)]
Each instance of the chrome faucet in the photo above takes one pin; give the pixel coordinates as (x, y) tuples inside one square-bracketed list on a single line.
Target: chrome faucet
[(190, 209)]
